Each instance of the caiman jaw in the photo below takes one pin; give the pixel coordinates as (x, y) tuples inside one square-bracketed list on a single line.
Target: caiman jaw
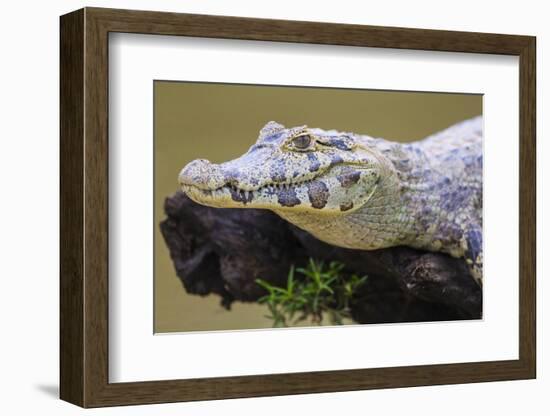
[(340, 189), (232, 196), (224, 186)]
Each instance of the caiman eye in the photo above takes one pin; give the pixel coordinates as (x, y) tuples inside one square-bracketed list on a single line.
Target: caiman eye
[(302, 142)]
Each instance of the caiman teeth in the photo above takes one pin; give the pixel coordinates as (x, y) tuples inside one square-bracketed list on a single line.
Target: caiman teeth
[(248, 193)]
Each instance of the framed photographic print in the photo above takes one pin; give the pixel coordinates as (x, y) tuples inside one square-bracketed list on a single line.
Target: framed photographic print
[(255, 207)]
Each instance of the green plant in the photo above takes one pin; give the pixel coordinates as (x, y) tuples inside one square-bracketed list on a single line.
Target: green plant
[(321, 289)]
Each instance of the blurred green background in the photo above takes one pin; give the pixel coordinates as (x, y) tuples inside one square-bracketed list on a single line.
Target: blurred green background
[(221, 121)]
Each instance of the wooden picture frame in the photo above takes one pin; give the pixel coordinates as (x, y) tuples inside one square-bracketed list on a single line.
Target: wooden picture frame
[(84, 207)]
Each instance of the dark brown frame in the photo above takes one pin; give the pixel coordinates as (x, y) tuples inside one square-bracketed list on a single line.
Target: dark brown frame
[(84, 209)]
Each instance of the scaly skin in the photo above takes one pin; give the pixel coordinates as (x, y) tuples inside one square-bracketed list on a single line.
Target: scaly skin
[(356, 191)]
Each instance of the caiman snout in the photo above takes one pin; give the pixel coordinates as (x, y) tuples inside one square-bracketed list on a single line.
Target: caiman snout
[(202, 174), (244, 173)]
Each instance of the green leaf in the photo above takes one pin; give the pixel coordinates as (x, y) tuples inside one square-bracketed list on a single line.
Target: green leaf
[(322, 288)]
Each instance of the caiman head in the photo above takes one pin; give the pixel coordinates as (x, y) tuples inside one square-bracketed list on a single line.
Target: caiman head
[(297, 169)]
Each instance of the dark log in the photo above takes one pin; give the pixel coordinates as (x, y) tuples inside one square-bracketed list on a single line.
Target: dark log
[(223, 251)]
